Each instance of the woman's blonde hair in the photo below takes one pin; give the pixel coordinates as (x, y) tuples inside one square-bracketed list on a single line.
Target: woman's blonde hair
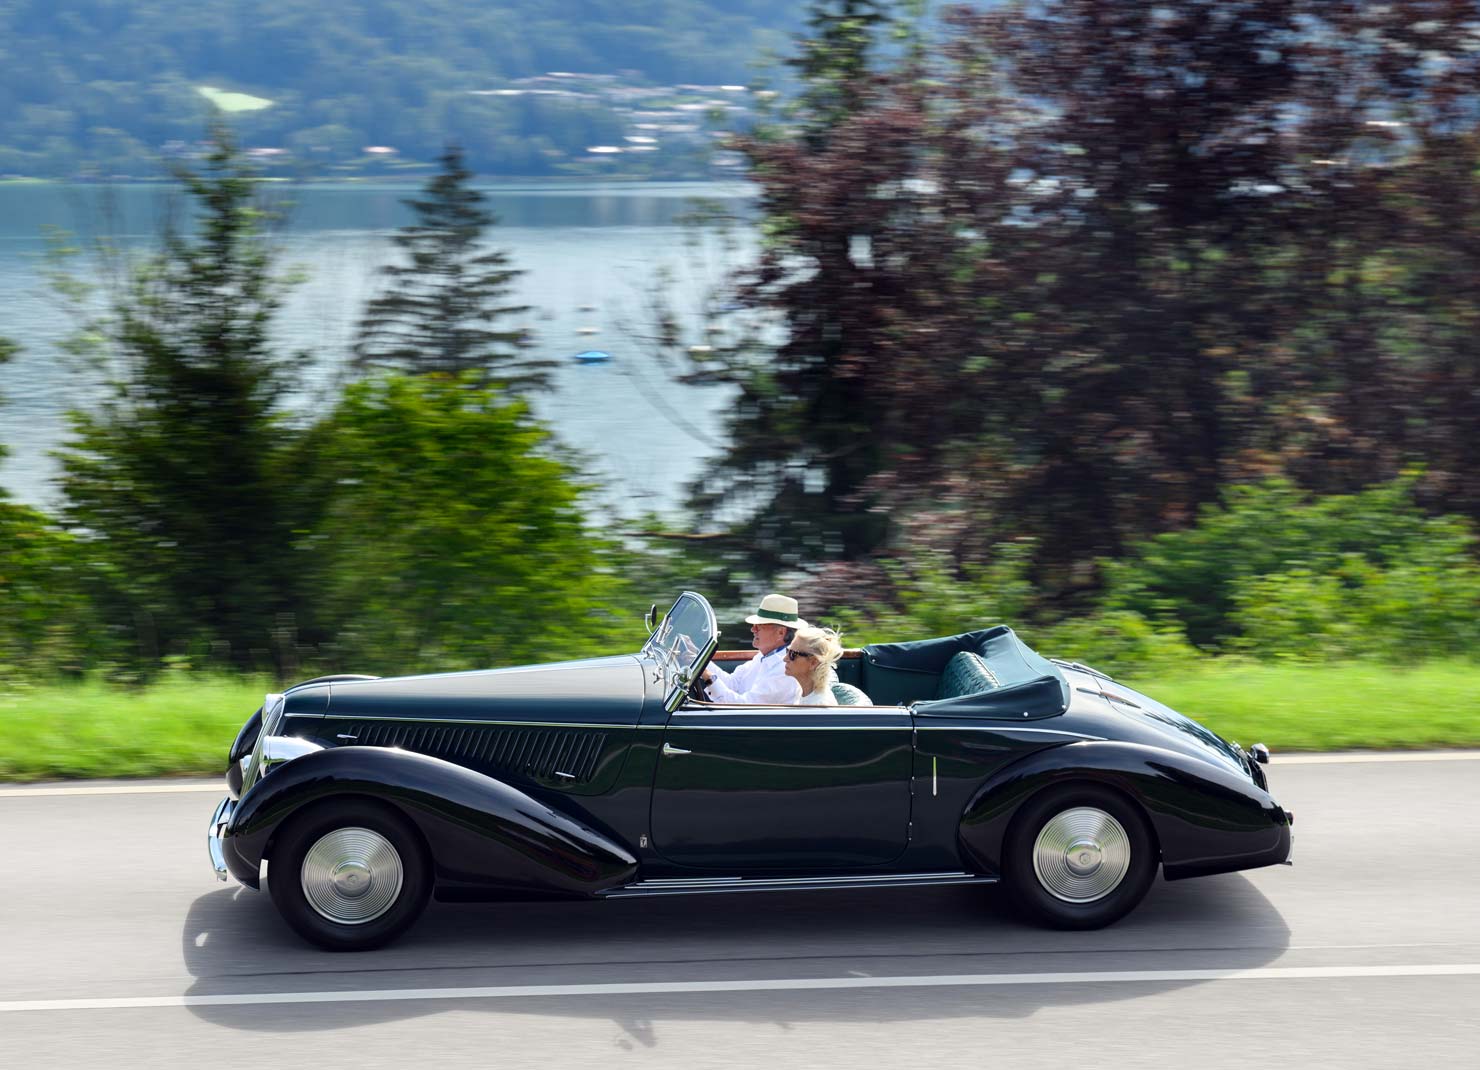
[(827, 647)]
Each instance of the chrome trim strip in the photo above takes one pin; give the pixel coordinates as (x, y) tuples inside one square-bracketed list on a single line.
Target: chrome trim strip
[(272, 716), (791, 727), (1002, 730), (610, 725), (1007, 726), (730, 882), (821, 711), (712, 885)]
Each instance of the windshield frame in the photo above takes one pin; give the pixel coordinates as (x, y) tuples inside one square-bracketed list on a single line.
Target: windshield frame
[(701, 634)]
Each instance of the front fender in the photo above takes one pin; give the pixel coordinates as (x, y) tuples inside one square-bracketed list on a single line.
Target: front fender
[(1207, 819), (481, 832)]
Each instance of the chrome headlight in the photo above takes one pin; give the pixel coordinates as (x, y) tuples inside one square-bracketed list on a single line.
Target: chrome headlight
[(279, 749)]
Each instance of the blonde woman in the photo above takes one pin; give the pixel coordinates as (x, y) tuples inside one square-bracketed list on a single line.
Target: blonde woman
[(810, 657)]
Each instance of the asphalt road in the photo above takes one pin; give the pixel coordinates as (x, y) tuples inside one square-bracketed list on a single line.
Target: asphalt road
[(1365, 953)]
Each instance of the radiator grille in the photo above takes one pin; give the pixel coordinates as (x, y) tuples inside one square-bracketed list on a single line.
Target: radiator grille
[(531, 752)]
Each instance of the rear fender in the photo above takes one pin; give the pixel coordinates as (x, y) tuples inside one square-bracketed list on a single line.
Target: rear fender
[(1207, 819), (481, 832)]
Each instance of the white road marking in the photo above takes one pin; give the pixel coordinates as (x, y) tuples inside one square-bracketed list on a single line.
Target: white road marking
[(397, 995), (1381, 756), (216, 788)]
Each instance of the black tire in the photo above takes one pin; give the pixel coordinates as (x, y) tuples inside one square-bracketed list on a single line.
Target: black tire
[(1062, 885), (379, 887)]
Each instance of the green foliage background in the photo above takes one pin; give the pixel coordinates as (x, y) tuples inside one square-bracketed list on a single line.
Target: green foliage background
[(1202, 400)]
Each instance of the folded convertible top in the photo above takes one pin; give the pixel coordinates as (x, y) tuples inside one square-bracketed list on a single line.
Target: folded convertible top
[(1010, 682)]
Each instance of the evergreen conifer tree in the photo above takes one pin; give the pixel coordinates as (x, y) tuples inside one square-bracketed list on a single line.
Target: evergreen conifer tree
[(834, 59), (176, 480), (443, 308)]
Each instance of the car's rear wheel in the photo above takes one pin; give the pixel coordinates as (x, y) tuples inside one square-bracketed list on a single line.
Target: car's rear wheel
[(349, 875), (1079, 857)]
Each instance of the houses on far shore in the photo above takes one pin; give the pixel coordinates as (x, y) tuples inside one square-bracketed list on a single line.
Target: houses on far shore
[(665, 130)]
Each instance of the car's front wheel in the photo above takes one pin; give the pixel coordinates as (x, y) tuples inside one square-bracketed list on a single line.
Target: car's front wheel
[(349, 875), (1079, 857)]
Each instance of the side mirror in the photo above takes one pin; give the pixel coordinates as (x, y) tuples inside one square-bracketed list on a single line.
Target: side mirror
[(651, 620)]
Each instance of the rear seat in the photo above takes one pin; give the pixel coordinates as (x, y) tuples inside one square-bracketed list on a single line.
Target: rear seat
[(966, 674)]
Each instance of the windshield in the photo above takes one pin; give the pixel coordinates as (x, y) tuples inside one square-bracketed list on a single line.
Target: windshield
[(686, 636)]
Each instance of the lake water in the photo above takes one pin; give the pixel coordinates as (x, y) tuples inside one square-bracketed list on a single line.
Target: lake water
[(591, 255)]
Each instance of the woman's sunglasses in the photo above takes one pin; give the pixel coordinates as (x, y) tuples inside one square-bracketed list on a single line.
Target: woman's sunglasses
[(792, 655)]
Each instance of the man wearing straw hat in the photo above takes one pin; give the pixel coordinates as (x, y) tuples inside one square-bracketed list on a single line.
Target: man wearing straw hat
[(762, 680)]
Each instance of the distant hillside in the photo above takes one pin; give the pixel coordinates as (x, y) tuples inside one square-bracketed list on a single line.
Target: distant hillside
[(107, 85)]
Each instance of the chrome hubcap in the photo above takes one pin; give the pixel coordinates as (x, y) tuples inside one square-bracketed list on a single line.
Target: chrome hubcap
[(1081, 855), (352, 876), (351, 879)]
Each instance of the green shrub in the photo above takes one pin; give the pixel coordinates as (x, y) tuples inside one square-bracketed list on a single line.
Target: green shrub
[(46, 629), (1274, 572), (1116, 642), (1422, 607)]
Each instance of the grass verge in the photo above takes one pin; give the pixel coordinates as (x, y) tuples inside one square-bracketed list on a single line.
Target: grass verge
[(181, 725), (184, 725), (1339, 706)]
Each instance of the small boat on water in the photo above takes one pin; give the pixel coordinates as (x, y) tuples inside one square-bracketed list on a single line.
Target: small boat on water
[(586, 330), (592, 356)]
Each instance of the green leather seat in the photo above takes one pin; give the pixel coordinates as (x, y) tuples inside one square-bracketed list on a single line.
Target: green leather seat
[(848, 695), (966, 674)]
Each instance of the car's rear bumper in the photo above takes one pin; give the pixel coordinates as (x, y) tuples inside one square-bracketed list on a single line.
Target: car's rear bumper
[(1272, 848)]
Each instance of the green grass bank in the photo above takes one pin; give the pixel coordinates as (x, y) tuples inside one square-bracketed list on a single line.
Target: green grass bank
[(184, 724)]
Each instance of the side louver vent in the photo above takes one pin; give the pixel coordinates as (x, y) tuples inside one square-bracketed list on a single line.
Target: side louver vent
[(533, 752)]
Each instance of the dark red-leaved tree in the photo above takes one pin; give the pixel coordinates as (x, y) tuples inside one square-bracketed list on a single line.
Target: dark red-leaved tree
[(1082, 263)]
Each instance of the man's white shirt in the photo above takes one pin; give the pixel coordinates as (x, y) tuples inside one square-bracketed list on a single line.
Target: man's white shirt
[(760, 681)]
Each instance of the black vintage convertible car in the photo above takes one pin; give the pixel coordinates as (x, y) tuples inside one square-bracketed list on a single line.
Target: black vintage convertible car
[(961, 760)]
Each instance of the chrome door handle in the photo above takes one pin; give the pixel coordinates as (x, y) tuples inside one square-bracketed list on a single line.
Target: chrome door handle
[(669, 750)]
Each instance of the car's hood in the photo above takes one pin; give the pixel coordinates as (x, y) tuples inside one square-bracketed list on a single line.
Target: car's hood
[(593, 691)]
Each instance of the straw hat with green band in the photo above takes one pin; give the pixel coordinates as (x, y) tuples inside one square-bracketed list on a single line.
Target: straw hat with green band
[(777, 609)]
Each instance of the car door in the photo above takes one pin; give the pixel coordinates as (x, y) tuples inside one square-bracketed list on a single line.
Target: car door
[(783, 788)]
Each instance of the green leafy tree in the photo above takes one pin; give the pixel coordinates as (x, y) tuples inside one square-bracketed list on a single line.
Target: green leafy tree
[(175, 482), (47, 628), (47, 624), (443, 307), (1277, 571), (454, 537)]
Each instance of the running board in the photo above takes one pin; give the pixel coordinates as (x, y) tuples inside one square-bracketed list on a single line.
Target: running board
[(712, 885)]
